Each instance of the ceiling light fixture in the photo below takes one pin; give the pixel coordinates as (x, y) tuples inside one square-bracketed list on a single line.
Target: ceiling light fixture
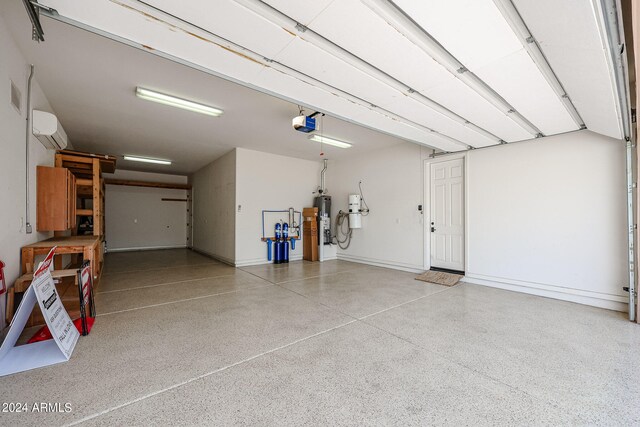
[(418, 36), (330, 141), (147, 160), (162, 98), (261, 59), (517, 24)]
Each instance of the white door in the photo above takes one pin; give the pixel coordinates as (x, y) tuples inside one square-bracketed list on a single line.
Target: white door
[(447, 214)]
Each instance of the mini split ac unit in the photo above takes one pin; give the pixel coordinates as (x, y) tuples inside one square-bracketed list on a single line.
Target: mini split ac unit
[(48, 130)]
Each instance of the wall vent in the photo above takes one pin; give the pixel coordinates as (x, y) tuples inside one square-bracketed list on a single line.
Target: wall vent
[(16, 97)]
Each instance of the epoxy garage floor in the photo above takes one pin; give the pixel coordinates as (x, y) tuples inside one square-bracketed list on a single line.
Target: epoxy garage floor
[(181, 339)]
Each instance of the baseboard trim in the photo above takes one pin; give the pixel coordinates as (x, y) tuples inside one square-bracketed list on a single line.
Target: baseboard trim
[(262, 261), (222, 259), (595, 299), (381, 263), (145, 248)]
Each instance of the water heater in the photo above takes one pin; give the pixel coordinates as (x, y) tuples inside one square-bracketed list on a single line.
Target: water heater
[(355, 215), (323, 203)]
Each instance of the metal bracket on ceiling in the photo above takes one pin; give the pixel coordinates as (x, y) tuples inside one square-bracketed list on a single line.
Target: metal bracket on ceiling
[(33, 10), (51, 10), (301, 28)]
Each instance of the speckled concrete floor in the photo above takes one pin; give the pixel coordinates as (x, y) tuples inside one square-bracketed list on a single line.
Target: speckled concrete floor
[(181, 339)]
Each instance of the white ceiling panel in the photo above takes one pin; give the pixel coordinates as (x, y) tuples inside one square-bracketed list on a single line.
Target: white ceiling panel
[(588, 87), (161, 35), (572, 23), (518, 79), (303, 12), (419, 113), (459, 97), (313, 61), (378, 43), (571, 42), (473, 31), (326, 101), (322, 66), (255, 33)]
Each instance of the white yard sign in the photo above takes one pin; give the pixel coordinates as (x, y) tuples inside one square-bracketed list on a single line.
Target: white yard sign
[(60, 325), (43, 353)]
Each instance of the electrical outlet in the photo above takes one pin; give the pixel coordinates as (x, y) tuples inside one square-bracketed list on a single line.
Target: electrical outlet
[(28, 228)]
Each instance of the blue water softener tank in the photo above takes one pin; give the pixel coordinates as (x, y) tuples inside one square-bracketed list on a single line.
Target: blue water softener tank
[(285, 243), (277, 248)]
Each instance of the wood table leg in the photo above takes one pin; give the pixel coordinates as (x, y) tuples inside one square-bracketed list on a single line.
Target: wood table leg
[(87, 255), (10, 304), (57, 262), (27, 260)]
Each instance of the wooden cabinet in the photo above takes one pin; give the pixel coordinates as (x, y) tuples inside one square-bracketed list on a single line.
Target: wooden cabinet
[(56, 199)]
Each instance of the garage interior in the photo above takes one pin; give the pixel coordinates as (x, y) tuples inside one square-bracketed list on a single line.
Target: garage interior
[(254, 187)]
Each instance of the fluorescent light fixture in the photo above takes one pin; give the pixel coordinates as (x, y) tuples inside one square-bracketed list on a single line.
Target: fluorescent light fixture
[(329, 141), (386, 114), (161, 98), (147, 160), (517, 24), (395, 17)]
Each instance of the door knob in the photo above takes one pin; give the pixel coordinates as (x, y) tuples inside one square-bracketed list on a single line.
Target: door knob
[(433, 229)]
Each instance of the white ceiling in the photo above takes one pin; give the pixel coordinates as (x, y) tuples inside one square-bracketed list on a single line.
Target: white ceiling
[(349, 61), (90, 82)]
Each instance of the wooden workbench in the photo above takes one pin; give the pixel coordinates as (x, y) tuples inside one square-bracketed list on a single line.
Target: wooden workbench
[(90, 247)]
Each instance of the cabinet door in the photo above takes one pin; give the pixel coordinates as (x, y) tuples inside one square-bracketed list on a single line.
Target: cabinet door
[(51, 199)]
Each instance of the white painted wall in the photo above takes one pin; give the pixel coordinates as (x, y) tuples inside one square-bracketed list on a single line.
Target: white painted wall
[(392, 233), (137, 217), (214, 200), (545, 216), (271, 182), (12, 160), (548, 217)]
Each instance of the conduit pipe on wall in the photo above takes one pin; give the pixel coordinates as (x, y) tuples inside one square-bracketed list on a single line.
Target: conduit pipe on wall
[(324, 170), (27, 215)]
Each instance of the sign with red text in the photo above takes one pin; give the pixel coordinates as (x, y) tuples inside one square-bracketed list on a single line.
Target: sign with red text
[(42, 291)]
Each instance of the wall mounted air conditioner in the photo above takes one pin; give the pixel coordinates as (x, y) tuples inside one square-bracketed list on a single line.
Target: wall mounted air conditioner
[(48, 130)]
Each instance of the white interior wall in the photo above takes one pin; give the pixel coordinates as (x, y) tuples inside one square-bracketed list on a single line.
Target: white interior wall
[(214, 200), (392, 233), (271, 182), (549, 217), (12, 160), (545, 216), (137, 217)]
